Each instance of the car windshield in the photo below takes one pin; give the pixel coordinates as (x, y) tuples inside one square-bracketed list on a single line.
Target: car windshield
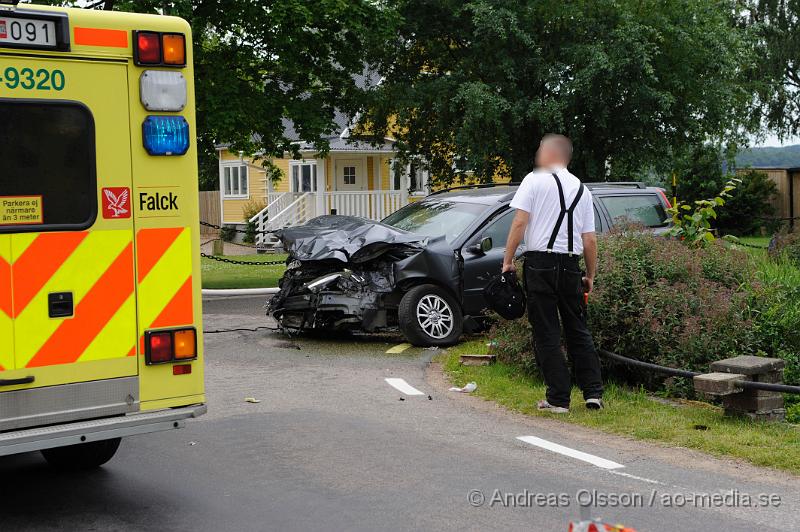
[(435, 218), (645, 209)]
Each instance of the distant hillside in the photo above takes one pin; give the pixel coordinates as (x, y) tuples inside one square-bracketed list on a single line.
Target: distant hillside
[(787, 156)]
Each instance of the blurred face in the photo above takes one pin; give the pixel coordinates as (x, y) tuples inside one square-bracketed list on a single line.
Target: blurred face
[(547, 156)]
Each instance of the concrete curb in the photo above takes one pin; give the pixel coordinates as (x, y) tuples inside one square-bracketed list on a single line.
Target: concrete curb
[(207, 292)]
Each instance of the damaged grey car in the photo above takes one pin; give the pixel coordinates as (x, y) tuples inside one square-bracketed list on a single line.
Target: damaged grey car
[(423, 268)]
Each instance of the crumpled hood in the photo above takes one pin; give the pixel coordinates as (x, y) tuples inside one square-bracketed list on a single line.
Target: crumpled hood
[(346, 238)]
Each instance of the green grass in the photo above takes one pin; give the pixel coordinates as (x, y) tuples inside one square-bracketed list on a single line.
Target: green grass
[(756, 240), (634, 414), (224, 275)]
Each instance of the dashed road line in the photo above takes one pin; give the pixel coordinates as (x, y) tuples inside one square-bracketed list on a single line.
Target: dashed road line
[(402, 386), (399, 348), (573, 453)]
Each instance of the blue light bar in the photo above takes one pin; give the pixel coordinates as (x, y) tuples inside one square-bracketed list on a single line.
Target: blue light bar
[(165, 135)]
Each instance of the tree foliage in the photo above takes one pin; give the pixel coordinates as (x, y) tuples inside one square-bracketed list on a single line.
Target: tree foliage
[(777, 23), (629, 81), (260, 62)]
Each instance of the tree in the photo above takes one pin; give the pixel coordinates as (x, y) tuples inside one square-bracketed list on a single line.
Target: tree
[(261, 62), (630, 81), (777, 23), (700, 174)]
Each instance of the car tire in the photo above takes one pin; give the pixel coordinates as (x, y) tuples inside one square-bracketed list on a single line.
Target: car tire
[(82, 456), (429, 316)]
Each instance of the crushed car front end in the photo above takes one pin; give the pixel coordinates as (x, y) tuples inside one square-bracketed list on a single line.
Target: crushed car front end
[(342, 274)]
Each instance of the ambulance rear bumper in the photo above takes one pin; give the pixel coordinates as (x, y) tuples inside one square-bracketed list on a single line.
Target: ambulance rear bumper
[(36, 439)]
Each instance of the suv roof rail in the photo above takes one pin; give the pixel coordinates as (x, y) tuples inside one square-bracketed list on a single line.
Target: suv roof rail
[(617, 184), (476, 185)]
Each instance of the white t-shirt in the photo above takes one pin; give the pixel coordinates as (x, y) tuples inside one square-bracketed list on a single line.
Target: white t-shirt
[(538, 195)]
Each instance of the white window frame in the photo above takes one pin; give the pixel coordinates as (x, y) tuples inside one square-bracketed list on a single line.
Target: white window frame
[(346, 174), (226, 171), (422, 179), (299, 166)]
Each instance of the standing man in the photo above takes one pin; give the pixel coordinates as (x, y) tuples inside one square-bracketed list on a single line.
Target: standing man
[(556, 215)]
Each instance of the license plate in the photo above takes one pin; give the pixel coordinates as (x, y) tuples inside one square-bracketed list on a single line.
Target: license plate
[(28, 32)]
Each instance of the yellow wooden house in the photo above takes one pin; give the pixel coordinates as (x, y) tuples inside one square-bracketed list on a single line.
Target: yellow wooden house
[(355, 178)]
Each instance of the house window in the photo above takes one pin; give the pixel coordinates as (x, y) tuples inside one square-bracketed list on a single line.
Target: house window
[(304, 177), (349, 175), (235, 181)]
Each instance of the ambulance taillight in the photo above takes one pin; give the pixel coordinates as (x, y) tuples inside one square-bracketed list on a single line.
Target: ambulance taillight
[(175, 345), (152, 48)]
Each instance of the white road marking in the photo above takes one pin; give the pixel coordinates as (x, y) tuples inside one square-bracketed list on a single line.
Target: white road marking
[(403, 386), (399, 348), (573, 453), (634, 477)]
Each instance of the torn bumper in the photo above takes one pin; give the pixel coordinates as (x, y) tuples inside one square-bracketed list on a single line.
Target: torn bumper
[(344, 299)]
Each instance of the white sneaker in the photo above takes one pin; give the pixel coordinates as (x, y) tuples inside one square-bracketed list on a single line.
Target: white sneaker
[(547, 407), (594, 404)]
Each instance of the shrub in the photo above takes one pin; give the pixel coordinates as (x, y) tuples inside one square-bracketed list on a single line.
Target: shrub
[(659, 301), (250, 209), (749, 207), (786, 245), (227, 233)]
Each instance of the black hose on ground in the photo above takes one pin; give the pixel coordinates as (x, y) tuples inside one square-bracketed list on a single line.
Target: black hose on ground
[(747, 385)]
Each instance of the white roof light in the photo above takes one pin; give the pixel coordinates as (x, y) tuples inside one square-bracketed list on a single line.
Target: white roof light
[(162, 90)]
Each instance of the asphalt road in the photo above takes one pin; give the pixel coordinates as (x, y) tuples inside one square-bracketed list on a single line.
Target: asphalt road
[(331, 446)]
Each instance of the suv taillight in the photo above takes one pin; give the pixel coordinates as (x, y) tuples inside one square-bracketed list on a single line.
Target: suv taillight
[(664, 196)]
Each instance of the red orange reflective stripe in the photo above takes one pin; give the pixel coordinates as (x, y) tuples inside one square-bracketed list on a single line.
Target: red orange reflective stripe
[(151, 244), (39, 262), (5, 287), (101, 37), (92, 314), (179, 311)]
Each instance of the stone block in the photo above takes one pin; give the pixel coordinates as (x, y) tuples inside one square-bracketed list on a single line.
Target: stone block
[(746, 402), (718, 383), (748, 365), (477, 360)]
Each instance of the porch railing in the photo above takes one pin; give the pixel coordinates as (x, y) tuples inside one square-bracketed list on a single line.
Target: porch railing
[(284, 209), (373, 205), (293, 208)]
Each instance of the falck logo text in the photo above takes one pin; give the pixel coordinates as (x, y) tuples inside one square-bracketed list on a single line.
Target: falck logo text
[(116, 202)]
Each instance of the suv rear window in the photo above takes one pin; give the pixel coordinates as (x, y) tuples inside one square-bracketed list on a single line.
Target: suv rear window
[(47, 150), (645, 209)]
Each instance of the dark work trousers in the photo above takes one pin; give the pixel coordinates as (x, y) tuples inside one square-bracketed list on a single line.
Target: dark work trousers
[(554, 285)]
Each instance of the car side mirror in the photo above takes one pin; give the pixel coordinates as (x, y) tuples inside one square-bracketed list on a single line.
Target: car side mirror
[(482, 247)]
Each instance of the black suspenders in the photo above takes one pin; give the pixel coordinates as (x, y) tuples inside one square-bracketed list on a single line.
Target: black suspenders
[(564, 212)]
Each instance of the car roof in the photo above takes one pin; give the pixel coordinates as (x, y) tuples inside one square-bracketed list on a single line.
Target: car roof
[(492, 194), (486, 195)]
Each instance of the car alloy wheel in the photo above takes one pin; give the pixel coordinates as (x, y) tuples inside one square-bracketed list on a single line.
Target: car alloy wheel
[(435, 317)]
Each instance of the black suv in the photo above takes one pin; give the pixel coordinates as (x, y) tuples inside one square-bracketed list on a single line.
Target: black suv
[(424, 267)]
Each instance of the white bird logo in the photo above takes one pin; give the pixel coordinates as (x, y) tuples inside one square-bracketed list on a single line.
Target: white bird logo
[(116, 203)]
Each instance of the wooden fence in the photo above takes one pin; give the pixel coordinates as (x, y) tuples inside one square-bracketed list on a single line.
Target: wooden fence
[(209, 211)]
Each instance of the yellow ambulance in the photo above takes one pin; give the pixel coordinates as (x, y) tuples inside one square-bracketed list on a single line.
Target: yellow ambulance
[(100, 310)]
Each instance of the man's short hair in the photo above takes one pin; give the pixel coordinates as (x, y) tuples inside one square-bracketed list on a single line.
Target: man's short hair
[(560, 143)]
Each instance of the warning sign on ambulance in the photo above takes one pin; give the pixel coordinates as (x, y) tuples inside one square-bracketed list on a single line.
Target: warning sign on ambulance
[(21, 210)]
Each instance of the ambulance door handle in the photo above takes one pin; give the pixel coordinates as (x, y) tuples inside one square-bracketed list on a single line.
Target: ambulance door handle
[(13, 382), (59, 305)]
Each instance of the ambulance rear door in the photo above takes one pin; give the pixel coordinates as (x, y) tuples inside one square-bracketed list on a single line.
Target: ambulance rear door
[(66, 231)]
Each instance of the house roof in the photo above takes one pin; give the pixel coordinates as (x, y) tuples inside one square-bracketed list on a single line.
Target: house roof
[(339, 140), (346, 144), (786, 168)]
